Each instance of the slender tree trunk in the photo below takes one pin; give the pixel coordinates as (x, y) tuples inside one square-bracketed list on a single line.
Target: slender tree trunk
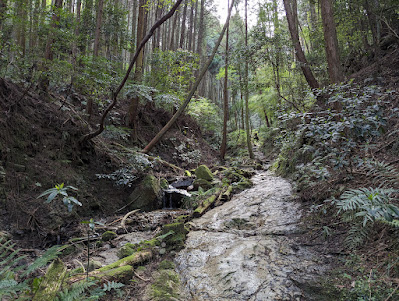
[(190, 29), (173, 32), (138, 73), (246, 79), (54, 24), (292, 25), (276, 25), (195, 24), (3, 10), (97, 35), (226, 96), (183, 25), (134, 28), (115, 94), (201, 29), (331, 42), (159, 136)]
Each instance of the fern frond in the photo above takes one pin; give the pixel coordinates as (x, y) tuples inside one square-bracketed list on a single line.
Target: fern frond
[(10, 288), (357, 235), (43, 260), (383, 174), (76, 292), (107, 287)]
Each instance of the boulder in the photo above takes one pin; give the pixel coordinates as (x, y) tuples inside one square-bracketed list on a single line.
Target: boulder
[(147, 196), (203, 172)]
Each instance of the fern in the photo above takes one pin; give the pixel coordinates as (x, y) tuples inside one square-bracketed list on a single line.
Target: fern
[(363, 207), (383, 174), (12, 280), (48, 256), (80, 291), (76, 291)]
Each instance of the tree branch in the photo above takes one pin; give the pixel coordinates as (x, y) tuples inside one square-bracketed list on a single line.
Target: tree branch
[(100, 129)]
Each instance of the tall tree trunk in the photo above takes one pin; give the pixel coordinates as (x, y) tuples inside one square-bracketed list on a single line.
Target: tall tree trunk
[(292, 25), (190, 37), (246, 79), (55, 20), (159, 136), (97, 35), (138, 72), (134, 28), (115, 94), (375, 26), (183, 25), (3, 10), (173, 32), (331, 42), (226, 95), (276, 25), (201, 29)]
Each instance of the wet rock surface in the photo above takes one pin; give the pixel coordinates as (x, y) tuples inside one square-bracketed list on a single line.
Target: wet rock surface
[(246, 249)]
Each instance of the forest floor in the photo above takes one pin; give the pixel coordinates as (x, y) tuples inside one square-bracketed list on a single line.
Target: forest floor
[(39, 147)]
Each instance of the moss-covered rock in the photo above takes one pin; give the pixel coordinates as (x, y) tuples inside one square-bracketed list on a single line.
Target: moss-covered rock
[(165, 287), (203, 172), (147, 196), (204, 184), (164, 183), (125, 251), (166, 265), (177, 239), (108, 235)]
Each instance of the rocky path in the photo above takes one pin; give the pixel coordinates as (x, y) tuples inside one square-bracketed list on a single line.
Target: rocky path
[(245, 249)]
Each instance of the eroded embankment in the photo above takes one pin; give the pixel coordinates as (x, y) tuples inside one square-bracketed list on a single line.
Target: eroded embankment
[(245, 249)]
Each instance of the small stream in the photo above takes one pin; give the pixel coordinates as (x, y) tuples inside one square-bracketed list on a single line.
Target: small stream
[(245, 249)]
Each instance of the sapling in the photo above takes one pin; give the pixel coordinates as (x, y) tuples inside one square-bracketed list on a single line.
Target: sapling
[(59, 190), (91, 225)]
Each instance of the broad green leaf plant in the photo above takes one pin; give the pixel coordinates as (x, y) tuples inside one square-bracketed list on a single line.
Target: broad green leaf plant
[(61, 191)]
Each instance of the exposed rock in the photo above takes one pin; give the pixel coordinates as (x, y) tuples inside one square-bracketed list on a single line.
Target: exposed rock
[(203, 172), (147, 196), (243, 249)]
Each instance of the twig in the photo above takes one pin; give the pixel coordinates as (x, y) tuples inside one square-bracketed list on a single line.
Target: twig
[(141, 278), (393, 292), (127, 215)]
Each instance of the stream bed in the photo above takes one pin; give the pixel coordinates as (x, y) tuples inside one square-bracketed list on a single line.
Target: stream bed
[(246, 249)]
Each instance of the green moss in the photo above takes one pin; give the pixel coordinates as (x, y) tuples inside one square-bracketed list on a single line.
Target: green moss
[(164, 183), (121, 274), (203, 172), (182, 218), (187, 173), (177, 239), (204, 184), (134, 259), (125, 251), (166, 286), (108, 235), (147, 195), (51, 282), (166, 265)]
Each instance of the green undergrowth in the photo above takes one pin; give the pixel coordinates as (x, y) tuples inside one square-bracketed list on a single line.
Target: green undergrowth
[(342, 157)]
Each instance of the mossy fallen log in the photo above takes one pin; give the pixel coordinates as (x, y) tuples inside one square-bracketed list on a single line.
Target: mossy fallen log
[(133, 260), (200, 210), (121, 270), (51, 282), (121, 274)]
